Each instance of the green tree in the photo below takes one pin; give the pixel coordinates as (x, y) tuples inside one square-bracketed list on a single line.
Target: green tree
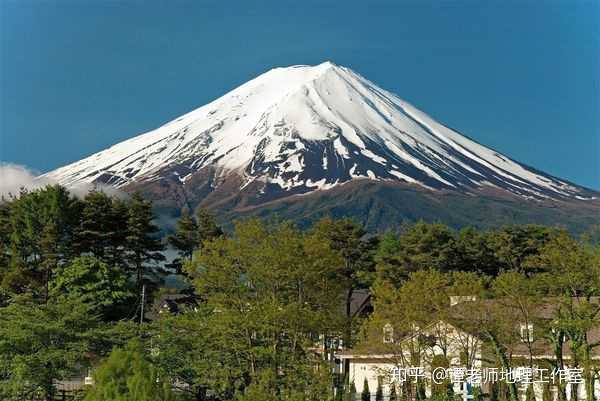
[(474, 253), (5, 232), (261, 389), (513, 245), (427, 246), (40, 224), (95, 231), (128, 375), (357, 260), (419, 247), (365, 395), (572, 277), (143, 244), (208, 229), (519, 298), (115, 255), (204, 354), (95, 282), (388, 261), (185, 238), (190, 234), (494, 322), (40, 343), (403, 308), (439, 361), (274, 290)]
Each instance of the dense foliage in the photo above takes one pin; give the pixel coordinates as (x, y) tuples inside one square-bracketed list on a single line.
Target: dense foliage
[(267, 304), (127, 374)]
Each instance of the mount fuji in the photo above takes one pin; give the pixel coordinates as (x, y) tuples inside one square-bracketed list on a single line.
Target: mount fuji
[(325, 140)]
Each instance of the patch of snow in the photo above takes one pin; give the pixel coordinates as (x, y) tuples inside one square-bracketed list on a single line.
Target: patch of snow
[(374, 157), (341, 149)]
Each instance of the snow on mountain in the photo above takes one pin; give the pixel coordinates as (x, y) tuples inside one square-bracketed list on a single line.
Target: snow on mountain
[(305, 128)]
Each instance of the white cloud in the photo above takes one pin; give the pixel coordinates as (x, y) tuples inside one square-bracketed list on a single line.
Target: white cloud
[(13, 177)]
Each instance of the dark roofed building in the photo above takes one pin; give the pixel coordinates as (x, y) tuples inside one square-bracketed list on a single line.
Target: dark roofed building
[(172, 304)]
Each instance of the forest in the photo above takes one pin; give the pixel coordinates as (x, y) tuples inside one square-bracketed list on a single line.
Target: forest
[(76, 274)]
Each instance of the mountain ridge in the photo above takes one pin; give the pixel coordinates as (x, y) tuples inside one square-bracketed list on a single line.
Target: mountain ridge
[(301, 129)]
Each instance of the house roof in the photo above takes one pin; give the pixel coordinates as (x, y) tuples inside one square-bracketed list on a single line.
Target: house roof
[(465, 317), (171, 303), (360, 302)]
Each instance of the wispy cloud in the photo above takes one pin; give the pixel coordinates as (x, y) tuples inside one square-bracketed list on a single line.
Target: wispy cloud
[(14, 177)]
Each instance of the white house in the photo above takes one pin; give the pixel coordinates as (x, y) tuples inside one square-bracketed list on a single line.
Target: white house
[(449, 351), (440, 341)]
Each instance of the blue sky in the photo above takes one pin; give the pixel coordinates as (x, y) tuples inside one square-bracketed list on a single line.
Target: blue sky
[(522, 77)]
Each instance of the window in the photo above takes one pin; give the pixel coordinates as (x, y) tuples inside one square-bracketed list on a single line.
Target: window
[(388, 334), (526, 332)]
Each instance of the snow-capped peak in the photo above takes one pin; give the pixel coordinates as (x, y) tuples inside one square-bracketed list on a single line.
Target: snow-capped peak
[(304, 128)]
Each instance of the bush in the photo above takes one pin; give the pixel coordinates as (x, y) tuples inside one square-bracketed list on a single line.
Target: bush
[(127, 375), (366, 394)]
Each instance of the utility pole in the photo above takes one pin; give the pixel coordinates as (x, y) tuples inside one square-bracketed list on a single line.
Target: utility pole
[(143, 301)]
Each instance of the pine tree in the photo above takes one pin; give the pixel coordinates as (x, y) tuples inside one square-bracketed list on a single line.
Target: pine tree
[(186, 236), (95, 231), (59, 212), (5, 232), (119, 215), (38, 229), (143, 245), (474, 253), (366, 394), (49, 247), (207, 227), (185, 240)]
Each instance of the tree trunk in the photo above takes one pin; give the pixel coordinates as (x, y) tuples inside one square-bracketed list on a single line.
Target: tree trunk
[(348, 332), (512, 387), (589, 374), (558, 351)]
